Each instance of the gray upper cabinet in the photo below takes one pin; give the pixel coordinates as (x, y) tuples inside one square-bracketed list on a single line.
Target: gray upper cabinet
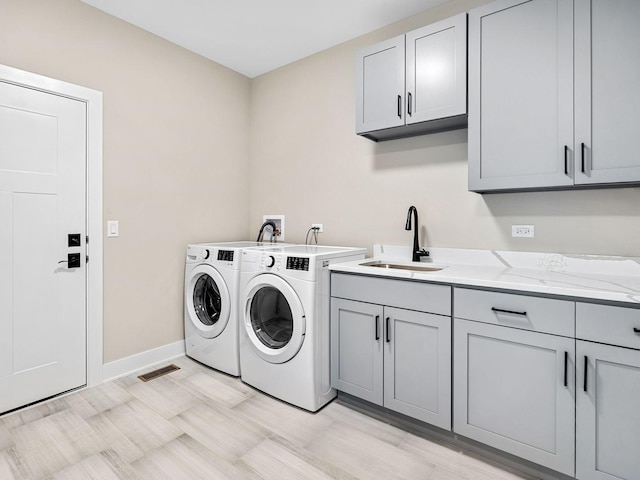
[(413, 83), (607, 98), (436, 63), (520, 95), (380, 86), (525, 132)]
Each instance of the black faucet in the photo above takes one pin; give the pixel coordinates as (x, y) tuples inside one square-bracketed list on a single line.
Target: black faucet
[(416, 251), (261, 232)]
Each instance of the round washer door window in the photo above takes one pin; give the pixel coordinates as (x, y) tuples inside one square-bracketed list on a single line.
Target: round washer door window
[(274, 318), (208, 302)]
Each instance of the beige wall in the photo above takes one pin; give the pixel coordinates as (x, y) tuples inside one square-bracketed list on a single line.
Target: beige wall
[(180, 133), (307, 163), (175, 153)]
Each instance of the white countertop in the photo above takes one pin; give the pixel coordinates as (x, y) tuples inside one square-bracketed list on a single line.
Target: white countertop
[(608, 278)]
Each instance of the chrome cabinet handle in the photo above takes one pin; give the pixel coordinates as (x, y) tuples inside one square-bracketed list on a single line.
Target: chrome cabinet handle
[(377, 327), (409, 102), (399, 106)]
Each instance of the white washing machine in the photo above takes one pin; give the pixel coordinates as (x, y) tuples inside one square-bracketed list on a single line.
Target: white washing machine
[(284, 327), (211, 282)]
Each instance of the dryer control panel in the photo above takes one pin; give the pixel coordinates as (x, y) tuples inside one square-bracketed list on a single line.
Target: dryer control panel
[(225, 255), (288, 266), (298, 263)]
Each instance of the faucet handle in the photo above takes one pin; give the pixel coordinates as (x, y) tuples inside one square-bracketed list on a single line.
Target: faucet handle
[(422, 253)]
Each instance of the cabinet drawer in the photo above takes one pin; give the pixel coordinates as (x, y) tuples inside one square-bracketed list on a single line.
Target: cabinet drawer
[(606, 324), (520, 311), (419, 296)]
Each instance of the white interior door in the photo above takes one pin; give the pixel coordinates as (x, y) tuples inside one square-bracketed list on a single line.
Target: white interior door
[(43, 149)]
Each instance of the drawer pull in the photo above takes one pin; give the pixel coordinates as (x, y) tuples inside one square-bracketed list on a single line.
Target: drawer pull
[(388, 338), (586, 365), (512, 312), (566, 368), (636, 330), (377, 327)]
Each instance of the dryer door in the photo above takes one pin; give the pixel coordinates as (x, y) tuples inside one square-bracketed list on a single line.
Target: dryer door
[(274, 318), (208, 302)]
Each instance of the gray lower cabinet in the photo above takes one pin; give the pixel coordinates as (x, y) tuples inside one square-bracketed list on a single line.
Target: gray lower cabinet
[(607, 416), (514, 390), (389, 356), (417, 365), (608, 389), (552, 381), (514, 386), (356, 349)]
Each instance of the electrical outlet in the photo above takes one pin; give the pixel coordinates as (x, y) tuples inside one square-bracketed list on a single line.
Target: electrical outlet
[(318, 226), (522, 231), (279, 221)]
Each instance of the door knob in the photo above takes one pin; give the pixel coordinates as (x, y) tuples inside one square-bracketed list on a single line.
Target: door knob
[(72, 261)]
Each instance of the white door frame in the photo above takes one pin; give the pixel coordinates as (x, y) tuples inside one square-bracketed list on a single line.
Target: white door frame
[(94, 292)]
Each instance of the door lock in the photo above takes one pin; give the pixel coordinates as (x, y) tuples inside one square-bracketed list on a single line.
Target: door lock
[(74, 240)]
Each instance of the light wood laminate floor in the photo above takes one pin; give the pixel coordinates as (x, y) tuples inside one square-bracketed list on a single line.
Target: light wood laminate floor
[(197, 423)]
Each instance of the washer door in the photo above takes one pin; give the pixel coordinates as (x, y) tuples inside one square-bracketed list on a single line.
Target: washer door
[(273, 318), (208, 301)]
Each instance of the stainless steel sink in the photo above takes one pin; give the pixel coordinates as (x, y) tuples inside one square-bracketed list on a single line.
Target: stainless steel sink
[(399, 266)]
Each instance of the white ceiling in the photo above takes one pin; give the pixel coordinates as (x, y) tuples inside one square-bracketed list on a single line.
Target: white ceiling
[(255, 36)]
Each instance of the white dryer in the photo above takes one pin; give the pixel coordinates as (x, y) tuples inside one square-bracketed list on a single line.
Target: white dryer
[(211, 282), (284, 328)]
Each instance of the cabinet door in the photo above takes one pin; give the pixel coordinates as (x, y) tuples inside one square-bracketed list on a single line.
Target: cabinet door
[(417, 365), (608, 417), (521, 95), (607, 95), (380, 86), (514, 390), (437, 70), (356, 349)]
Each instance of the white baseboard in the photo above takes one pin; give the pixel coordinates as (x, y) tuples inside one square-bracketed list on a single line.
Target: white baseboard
[(125, 366)]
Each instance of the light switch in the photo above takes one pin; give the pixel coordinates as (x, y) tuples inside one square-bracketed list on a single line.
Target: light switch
[(113, 229)]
